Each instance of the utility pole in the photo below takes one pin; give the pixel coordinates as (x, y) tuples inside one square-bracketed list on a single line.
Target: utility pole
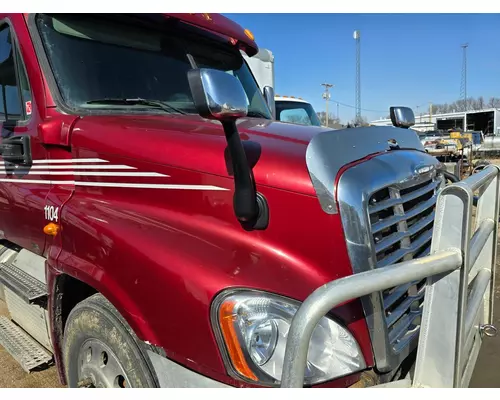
[(357, 38), (338, 117), (463, 83), (430, 112), (326, 96)]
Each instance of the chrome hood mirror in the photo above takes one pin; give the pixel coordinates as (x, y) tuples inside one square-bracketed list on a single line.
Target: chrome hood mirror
[(217, 95), (402, 117)]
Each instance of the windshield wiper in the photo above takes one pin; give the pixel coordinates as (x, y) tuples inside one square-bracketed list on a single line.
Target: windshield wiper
[(257, 114), (138, 101)]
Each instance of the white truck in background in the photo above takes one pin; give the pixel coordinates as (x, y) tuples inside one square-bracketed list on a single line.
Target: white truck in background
[(287, 108)]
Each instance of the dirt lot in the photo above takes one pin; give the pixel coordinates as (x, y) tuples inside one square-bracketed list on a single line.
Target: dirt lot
[(487, 372), (13, 376)]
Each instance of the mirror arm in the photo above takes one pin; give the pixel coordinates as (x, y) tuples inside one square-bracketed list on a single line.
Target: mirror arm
[(245, 195)]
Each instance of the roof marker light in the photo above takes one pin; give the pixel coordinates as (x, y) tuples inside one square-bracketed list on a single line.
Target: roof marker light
[(249, 34)]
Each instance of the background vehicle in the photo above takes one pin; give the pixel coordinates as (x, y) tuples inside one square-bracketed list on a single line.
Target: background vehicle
[(295, 110), (160, 229), (287, 108)]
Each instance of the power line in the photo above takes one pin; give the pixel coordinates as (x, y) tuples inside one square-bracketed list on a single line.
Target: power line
[(362, 109)]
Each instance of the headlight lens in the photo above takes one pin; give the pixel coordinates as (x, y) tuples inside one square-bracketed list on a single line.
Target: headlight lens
[(252, 329)]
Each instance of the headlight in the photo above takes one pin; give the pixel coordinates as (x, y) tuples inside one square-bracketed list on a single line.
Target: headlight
[(252, 329)]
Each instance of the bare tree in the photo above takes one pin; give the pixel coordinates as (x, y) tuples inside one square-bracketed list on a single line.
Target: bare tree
[(298, 119), (494, 102), (472, 103), (460, 105), (362, 121), (332, 119), (480, 103)]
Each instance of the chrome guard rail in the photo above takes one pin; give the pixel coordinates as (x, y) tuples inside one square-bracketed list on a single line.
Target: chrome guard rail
[(459, 294)]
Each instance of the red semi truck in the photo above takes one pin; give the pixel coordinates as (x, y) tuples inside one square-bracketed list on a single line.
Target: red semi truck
[(159, 229)]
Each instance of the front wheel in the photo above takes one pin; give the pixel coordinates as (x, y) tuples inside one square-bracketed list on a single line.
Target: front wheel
[(101, 350)]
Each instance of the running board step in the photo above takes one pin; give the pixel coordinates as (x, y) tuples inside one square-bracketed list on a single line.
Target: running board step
[(24, 285), (25, 350)]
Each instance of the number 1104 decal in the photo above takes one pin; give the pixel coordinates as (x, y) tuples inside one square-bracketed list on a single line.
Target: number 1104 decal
[(51, 213)]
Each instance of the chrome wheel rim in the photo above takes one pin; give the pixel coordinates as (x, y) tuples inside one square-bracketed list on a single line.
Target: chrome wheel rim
[(99, 366)]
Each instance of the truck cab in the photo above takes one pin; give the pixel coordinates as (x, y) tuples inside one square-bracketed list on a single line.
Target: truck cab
[(160, 229), (295, 110)]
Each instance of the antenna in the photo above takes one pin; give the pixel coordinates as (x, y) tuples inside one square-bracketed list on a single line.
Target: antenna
[(357, 38), (463, 83)]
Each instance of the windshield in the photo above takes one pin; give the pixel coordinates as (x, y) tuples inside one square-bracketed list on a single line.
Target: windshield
[(296, 113), (108, 57)]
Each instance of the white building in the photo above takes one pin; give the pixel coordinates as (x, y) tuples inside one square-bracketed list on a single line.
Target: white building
[(487, 120)]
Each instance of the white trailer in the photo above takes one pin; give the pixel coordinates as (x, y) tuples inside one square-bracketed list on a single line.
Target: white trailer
[(287, 108)]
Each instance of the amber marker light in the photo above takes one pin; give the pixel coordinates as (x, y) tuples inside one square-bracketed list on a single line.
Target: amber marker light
[(226, 321), (51, 229)]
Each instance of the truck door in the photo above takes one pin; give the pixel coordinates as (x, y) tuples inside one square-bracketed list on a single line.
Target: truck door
[(24, 183)]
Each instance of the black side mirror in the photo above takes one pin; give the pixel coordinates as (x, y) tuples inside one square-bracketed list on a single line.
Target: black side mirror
[(402, 117)]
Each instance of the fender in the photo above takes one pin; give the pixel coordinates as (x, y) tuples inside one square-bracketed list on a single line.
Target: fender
[(161, 268)]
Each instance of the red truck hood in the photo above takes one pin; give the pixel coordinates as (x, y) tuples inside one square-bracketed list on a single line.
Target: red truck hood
[(276, 150)]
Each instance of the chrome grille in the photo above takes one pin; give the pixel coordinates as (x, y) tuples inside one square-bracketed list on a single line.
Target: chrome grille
[(401, 220)]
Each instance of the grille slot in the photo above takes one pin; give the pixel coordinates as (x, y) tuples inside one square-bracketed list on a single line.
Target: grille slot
[(401, 227)]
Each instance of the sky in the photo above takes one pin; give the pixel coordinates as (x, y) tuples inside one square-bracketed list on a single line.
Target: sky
[(406, 59)]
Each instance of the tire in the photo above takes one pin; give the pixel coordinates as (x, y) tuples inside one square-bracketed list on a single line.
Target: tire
[(101, 350)]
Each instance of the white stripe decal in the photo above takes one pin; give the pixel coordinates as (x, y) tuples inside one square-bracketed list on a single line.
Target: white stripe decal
[(117, 184), (41, 182), (97, 173), (70, 160), (67, 161), (51, 167), (150, 186)]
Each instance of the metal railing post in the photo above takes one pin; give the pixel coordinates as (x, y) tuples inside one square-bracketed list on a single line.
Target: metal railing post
[(487, 212), (440, 331)]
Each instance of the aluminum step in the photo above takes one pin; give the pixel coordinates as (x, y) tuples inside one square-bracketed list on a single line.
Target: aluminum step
[(24, 285), (25, 350)]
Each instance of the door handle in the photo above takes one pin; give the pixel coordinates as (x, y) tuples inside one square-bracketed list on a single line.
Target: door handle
[(17, 150)]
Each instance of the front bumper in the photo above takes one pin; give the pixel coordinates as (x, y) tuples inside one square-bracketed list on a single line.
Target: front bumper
[(172, 375)]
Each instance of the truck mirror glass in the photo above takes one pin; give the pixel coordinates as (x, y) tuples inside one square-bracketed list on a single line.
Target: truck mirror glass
[(268, 93), (402, 117), (217, 94)]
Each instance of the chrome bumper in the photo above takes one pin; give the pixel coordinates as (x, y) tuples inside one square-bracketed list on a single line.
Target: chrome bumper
[(173, 375)]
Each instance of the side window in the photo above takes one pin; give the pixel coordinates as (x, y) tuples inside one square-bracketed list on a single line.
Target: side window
[(15, 94), (296, 116)]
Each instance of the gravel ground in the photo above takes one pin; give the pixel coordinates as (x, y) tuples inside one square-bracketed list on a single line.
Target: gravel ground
[(487, 372), (13, 376)]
